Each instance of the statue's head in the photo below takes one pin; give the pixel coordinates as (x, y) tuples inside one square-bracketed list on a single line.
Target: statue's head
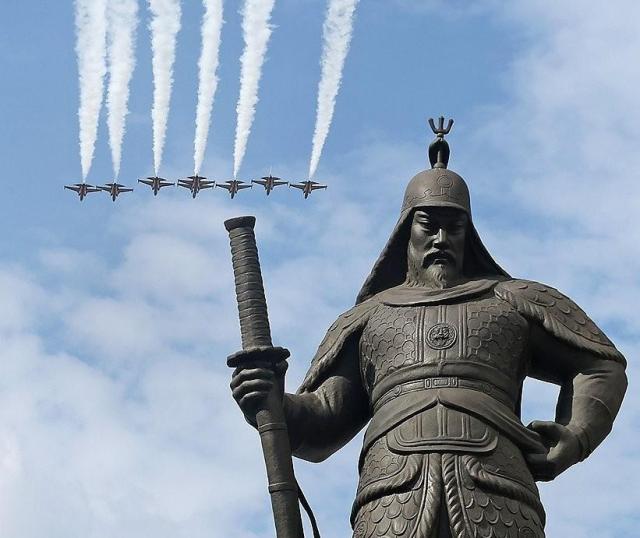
[(438, 211), (434, 242)]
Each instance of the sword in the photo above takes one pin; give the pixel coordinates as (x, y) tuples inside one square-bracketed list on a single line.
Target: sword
[(256, 338)]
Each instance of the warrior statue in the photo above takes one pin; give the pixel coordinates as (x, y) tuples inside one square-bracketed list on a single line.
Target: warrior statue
[(433, 357)]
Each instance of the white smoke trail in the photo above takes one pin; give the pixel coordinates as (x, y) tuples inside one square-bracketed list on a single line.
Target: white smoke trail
[(123, 21), (208, 83), (91, 31), (165, 26), (336, 37), (257, 31)]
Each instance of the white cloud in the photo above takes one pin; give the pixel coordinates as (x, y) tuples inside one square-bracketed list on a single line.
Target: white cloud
[(99, 453), (20, 300)]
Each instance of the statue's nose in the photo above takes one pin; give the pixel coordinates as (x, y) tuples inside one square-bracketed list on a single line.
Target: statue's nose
[(441, 238)]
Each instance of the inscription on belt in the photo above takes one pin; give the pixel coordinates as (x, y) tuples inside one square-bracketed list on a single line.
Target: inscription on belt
[(442, 336)]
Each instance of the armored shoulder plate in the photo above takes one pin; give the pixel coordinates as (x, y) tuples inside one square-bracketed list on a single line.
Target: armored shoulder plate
[(557, 314), (347, 324)]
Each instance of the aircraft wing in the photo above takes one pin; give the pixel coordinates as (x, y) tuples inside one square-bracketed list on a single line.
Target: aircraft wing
[(279, 182), (74, 188), (166, 184), (224, 186), (125, 189), (185, 183), (316, 187), (207, 184), (240, 187), (297, 185), (146, 181), (259, 182)]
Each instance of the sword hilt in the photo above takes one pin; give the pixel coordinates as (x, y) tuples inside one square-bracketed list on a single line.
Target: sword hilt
[(252, 304)]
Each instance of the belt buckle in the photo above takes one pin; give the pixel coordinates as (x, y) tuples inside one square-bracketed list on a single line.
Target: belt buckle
[(444, 382)]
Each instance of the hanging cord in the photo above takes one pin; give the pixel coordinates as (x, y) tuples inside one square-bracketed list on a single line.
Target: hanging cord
[(312, 519)]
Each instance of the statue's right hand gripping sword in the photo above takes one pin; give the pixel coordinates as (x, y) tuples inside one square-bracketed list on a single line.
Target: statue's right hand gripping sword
[(256, 338)]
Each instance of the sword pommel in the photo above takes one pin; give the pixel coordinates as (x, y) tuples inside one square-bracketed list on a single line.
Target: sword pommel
[(247, 221)]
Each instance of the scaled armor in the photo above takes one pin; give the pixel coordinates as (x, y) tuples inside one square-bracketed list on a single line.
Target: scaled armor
[(439, 376)]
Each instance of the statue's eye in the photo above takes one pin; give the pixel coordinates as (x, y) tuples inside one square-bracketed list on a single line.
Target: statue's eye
[(429, 227)]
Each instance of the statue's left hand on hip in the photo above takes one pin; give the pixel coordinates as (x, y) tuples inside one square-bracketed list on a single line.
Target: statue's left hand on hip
[(564, 450)]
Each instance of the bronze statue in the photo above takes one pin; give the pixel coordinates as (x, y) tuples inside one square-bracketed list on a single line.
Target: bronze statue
[(433, 357)]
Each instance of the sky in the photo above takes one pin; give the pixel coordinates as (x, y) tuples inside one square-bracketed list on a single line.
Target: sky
[(115, 319)]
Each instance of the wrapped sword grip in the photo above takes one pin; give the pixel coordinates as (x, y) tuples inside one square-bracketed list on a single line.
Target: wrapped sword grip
[(252, 304)]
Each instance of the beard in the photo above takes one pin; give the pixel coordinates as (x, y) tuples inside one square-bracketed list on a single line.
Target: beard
[(435, 275)]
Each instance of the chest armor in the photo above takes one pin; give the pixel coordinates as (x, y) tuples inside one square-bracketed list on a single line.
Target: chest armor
[(487, 332), (407, 351)]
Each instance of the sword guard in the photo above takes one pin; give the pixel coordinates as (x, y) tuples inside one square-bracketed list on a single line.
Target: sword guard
[(272, 354)]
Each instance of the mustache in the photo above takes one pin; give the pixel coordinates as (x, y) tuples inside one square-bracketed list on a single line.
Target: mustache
[(436, 255)]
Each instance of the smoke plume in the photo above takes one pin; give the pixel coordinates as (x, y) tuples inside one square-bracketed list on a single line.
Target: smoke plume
[(257, 31), (123, 22), (91, 50), (336, 37), (165, 25), (208, 80)]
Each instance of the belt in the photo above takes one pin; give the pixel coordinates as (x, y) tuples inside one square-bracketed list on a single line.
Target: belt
[(460, 368), (431, 383)]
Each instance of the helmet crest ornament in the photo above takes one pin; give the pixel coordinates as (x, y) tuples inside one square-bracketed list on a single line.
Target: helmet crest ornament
[(439, 149)]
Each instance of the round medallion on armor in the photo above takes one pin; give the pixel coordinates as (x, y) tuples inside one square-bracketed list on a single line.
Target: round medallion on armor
[(442, 336)]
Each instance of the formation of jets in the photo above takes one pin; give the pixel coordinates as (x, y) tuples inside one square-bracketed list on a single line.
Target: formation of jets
[(195, 184)]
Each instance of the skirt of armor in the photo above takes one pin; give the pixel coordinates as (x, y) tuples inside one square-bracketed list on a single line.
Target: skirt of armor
[(486, 495)]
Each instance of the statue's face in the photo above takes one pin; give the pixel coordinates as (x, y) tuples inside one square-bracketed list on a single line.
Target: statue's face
[(436, 246)]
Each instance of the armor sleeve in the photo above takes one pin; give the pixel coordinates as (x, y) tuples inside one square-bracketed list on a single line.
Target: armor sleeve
[(592, 387), (331, 405), (570, 350), (559, 315), (323, 420), (328, 352)]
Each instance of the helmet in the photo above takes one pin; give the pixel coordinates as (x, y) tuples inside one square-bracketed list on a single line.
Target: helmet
[(437, 187)]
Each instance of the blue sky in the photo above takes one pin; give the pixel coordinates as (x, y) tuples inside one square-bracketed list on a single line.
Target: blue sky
[(116, 318)]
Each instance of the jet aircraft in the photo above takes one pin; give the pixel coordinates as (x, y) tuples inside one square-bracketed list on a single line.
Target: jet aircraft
[(114, 189), (196, 183), (234, 186), (82, 189), (307, 187), (156, 183), (269, 183)]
